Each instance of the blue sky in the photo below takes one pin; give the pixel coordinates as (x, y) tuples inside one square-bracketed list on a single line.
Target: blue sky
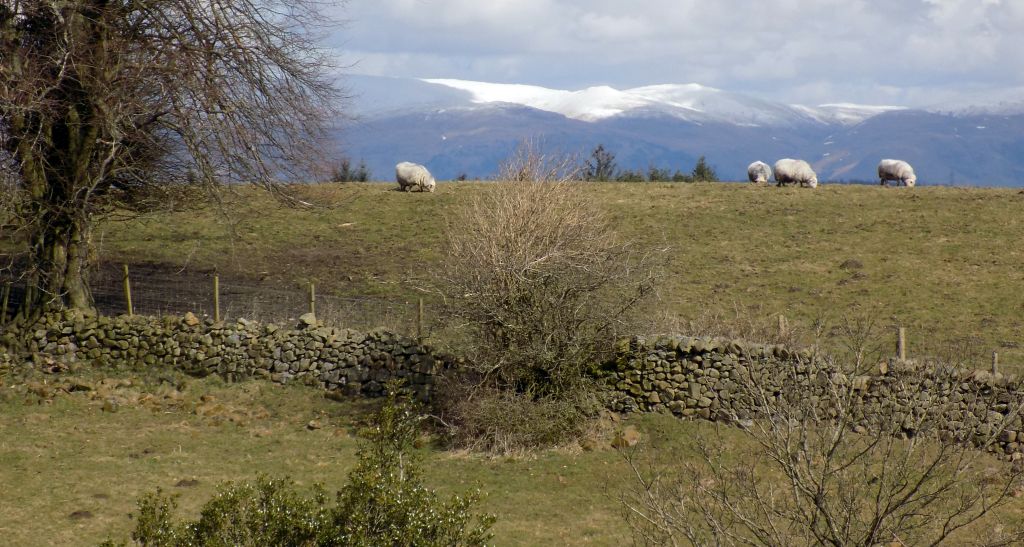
[(900, 52)]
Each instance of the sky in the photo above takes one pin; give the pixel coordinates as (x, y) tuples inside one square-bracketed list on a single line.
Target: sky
[(887, 52)]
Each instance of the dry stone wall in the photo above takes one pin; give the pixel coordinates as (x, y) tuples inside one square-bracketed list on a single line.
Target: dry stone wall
[(710, 379), (338, 360), (697, 378)]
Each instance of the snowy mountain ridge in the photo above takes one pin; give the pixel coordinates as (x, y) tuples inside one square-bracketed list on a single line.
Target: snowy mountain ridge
[(459, 127), (691, 102)]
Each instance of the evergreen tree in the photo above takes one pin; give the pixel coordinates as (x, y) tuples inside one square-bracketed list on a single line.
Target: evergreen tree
[(702, 172), (601, 165)]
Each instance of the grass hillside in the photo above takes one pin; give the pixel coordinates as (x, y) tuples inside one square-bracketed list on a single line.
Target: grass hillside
[(79, 451), (944, 262)]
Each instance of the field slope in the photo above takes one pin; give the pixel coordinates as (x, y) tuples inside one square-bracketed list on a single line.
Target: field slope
[(946, 263)]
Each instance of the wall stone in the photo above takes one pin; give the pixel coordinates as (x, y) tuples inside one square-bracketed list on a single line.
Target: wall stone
[(338, 360), (702, 378)]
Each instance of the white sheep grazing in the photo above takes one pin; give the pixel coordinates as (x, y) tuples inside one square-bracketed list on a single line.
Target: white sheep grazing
[(413, 176), (896, 170), (795, 171), (759, 172)]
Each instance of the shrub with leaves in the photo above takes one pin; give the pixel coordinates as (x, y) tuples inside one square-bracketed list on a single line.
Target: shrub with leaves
[(267, 512), (383, 503)]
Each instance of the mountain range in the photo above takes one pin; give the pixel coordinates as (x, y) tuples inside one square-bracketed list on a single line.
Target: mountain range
[(458, 127)]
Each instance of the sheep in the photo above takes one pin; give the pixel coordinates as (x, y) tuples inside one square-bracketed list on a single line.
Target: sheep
[(411, 176), (759, 172), (896, 170), (796, 171)]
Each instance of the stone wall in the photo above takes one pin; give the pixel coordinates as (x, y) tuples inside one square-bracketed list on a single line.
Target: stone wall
[(339, 360), (709, 379), (696, 378)]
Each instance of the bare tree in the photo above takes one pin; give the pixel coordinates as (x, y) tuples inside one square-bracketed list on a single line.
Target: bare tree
[(825, 468), (104, 102), (540, 284)]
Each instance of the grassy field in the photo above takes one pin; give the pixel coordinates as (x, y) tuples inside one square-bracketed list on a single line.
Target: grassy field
[(946, 263), (72, 465), (78, 449)]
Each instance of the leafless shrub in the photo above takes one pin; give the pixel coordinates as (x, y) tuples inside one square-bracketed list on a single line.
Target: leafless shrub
[(858, 340), (530, 163), (820, 471), (503, 421), (538, 282)]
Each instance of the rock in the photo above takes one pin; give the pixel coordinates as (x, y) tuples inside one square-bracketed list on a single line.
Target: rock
[(307, 321), (627, 438), (313, 425), (190, 319)]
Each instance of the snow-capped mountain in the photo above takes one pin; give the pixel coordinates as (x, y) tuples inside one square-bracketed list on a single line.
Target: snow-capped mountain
[(463, 127), (691, 102), (1001, 102)]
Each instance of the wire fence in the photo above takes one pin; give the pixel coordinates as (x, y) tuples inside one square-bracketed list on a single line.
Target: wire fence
[(214, 296)]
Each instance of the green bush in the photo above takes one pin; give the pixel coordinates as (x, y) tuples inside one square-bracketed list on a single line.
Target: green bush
[(679, 176), (657, 174), (383, 503), (630, 176), (702, 172)]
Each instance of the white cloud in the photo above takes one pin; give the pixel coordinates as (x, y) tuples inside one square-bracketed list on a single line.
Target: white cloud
[(806, 50)]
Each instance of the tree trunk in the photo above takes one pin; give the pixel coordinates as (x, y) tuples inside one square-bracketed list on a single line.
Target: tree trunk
[(58, 251), (60, 275)]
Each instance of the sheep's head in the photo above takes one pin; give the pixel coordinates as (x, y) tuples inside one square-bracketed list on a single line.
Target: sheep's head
[(813, 183), (911, 181)]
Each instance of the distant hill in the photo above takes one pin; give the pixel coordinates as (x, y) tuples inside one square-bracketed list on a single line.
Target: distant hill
[(457, 127)]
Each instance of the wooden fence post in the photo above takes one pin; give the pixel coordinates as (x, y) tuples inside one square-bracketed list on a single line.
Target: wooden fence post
[(419, 321), (901, 344), (128, 292), (995, 362), (7, 295), (216, 298), (782, 326), (312, 298)]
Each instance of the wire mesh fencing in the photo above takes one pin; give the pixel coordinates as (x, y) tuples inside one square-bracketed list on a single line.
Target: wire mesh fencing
[(144, 292)]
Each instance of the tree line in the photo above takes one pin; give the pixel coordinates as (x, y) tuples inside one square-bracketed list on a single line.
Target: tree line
[(601, 167)]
